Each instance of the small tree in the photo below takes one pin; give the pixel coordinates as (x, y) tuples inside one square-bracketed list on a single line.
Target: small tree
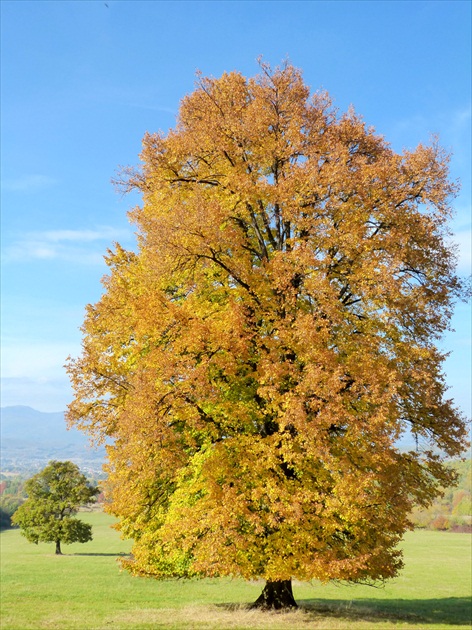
[(54, 496)]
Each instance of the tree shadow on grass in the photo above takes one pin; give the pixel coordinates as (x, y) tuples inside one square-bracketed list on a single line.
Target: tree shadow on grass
[(448, 610), (120, 554)]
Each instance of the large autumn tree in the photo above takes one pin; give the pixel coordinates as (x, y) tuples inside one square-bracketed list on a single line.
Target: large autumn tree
[(257, 359)]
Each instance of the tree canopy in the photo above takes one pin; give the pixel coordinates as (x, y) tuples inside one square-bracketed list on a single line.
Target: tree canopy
[(257, 359), (54, 497)]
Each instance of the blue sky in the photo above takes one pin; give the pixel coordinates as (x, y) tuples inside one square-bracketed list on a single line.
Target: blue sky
[(82, 82)]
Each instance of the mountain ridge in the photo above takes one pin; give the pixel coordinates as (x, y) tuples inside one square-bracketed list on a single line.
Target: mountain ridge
[(29, 439)]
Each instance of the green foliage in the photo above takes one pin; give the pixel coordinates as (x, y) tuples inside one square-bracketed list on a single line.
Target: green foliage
[(13, 486), (8, 506), (54, 497), (13, 494)]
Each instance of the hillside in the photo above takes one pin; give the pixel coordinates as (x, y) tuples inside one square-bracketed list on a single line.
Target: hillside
[(31, 438)]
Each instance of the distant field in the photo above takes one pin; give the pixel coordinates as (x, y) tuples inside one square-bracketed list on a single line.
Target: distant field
[(85, 589)]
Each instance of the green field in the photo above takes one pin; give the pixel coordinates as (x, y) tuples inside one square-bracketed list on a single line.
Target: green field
[(85, 589)]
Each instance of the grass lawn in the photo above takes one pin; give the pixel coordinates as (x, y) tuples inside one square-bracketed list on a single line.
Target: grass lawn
[(84, 589)]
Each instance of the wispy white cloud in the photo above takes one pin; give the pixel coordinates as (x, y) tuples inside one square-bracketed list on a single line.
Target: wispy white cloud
[(461, 236), (133, 96), (37, 359), (462, 116), (450, 123), (33, 373), (78, 246), (452, 128), (100, 234), (43, 394), (28, 183)]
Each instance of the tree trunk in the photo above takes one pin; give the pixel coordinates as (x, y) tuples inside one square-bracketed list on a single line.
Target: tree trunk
[(58, 548), (276, 595)]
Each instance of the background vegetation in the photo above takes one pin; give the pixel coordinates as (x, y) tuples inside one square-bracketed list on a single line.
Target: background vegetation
[(85, 589), (13, 494), (451, 512)]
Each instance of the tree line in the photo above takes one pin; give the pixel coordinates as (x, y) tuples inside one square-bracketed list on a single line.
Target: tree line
[(14, 493), (452, 511)]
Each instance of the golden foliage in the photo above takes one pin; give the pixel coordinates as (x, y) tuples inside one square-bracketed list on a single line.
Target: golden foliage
[(257, 359)]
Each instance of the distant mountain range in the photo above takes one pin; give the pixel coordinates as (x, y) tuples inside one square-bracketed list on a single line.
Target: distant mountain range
[(29, 439)]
